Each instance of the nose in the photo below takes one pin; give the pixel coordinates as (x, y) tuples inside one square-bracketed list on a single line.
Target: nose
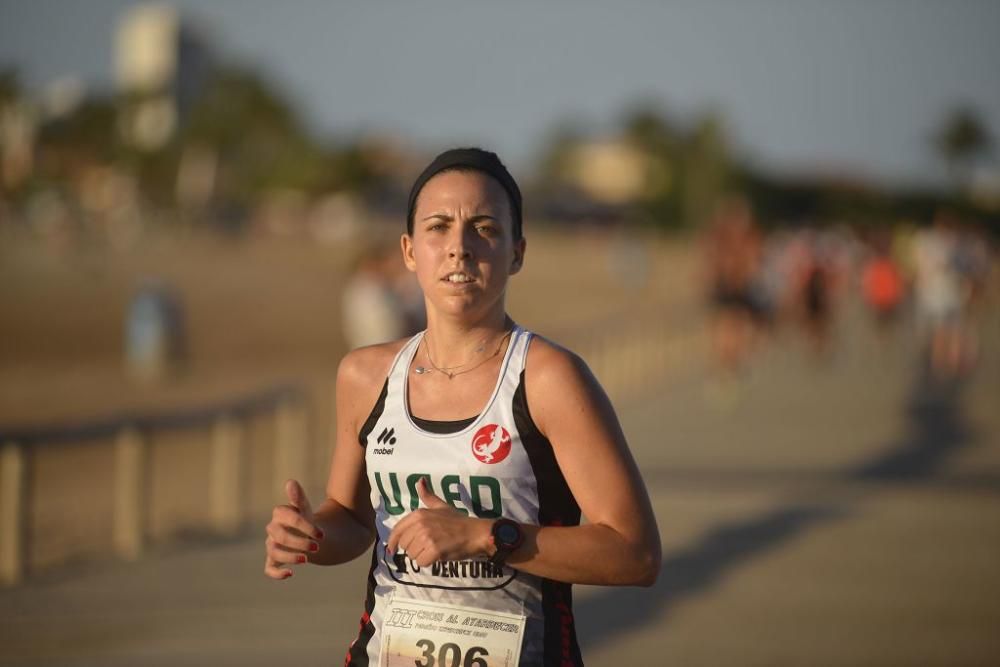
[(460, 245)]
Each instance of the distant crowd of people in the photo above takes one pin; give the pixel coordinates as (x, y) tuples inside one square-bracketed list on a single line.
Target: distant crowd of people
[(796, 276), (951, 269), (793, 277)]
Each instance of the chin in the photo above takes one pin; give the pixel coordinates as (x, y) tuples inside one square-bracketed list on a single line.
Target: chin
[(464, 305), (458, 306)]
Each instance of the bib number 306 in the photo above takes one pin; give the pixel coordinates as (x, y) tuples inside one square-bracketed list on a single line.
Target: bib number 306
[(450, 655), (425, 633)]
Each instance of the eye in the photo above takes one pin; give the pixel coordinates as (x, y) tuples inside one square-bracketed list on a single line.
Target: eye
[(486, 229)]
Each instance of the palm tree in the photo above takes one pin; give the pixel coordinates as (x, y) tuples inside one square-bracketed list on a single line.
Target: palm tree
[(962, 140)]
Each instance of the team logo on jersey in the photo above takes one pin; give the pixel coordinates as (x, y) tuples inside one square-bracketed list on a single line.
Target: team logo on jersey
[(491, 444), (387, 438)]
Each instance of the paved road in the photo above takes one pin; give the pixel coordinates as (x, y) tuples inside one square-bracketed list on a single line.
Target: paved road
[(839, 513)]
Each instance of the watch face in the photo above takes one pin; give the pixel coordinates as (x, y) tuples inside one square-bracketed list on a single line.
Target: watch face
[(508, 534)]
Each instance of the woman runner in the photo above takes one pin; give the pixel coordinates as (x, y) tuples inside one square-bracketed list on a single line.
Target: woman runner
[(467, 454)]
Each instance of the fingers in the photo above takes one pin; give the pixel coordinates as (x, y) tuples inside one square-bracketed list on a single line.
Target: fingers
[(434, 532), (276, 572), (423, 556), (393, 544), (291, 533), (279, 560), (428, 498), (413, 525), (417, 546), (297, 498), (414, 537), (290, 539), (399, 531), (290, 518)]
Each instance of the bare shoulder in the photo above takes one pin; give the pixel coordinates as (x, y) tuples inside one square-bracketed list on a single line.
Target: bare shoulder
[(550, 363), (361, 374), (559, 386), (365, 365)]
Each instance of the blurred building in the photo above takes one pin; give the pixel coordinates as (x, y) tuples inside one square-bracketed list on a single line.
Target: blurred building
[(609, 172), (161, 65)]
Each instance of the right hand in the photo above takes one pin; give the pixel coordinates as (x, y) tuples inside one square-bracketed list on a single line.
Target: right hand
[(292, 533)]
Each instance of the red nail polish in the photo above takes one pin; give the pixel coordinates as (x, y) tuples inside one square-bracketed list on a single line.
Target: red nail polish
[(313, 547), (302, 559), (320, 534), (288, 573)]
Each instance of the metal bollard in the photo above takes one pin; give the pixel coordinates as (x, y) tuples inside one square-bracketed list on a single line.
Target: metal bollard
[(291, 449), (225, 474), (130, 499), (13, 512)]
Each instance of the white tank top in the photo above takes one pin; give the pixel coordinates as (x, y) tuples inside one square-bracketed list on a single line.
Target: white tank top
[(498, 464)]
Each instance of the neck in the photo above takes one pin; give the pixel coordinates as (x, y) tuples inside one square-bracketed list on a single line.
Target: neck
[(452, 343)]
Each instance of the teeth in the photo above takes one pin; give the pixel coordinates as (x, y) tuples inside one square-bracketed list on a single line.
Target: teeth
[(459, 278)]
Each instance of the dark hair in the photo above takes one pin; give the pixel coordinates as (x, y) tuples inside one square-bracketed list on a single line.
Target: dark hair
[(469, 159)]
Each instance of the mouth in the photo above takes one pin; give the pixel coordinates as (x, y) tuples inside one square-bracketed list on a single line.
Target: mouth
[(458, 278)]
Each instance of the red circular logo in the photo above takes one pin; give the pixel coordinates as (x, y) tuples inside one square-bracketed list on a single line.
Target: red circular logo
[(491, 443)]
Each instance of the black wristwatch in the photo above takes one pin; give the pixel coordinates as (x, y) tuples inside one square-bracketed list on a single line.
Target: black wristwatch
[(507, 536)]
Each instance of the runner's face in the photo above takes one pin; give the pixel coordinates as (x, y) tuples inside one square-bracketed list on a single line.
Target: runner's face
[(462, 248)]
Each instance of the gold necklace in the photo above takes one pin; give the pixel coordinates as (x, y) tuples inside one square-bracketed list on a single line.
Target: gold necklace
[(450, 370)]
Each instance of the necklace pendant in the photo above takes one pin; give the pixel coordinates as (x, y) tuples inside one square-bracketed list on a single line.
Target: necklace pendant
[(419, 370)]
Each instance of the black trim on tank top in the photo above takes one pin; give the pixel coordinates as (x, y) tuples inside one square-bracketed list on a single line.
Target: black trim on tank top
[(556, 507), (442, 427), (373, 416), (559, 643), (556, 504), (357, 652)]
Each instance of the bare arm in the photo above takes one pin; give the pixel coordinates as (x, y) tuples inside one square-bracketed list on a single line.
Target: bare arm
[(342, 527), (347, 510), (620, 544)]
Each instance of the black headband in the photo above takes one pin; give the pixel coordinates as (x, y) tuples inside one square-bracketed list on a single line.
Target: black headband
[(477, 160)]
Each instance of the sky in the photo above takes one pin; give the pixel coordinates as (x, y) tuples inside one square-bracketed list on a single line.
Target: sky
[(850, 87)]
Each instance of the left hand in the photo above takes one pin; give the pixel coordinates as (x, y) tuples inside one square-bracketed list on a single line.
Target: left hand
[(439, 532)]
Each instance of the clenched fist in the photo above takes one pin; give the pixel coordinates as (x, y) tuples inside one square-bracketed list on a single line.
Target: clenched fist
[(438, 532), (292, 533)]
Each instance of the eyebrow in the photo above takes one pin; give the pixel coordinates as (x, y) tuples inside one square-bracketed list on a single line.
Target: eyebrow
[(447, 218)]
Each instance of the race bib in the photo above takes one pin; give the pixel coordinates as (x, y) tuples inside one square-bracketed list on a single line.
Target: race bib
[(417, 633)]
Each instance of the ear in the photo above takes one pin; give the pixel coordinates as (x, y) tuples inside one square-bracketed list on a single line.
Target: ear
[(406, 245), (519, 248)]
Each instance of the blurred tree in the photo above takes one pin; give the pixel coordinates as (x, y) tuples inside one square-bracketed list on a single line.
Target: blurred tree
[(84, 136), (240, 139), (257, 139), (555, 158), (963, 139), (10, 87), (16, 135), (647, 127), (705, 170), (349, 168)]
